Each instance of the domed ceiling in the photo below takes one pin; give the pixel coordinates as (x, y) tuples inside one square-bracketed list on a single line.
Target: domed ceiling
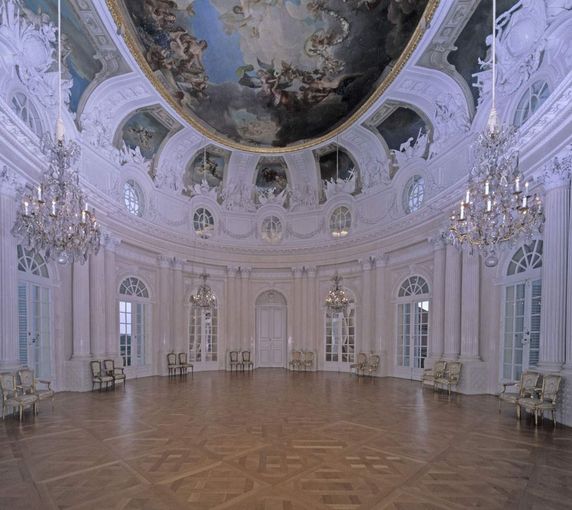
[(271, 75)]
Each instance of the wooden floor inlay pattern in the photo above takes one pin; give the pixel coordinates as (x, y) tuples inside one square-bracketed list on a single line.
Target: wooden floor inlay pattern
[(275, 440)]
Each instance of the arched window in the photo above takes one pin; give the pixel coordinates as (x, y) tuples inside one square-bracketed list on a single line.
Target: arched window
[(531, 101), (203, 223), (341, 336), (522, 306), (414, 194), (340, 221), (412, 322), (133, 197), (203, 334), (27, 112), (271, 229), (34, 313), (31, 262), (133, 316)]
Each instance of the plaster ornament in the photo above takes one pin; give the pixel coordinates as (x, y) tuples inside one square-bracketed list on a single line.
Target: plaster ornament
[(127, 155), (265, 196), (302, 198), (450, 121), (204, 190), (372, 174), (334, 187), (95, 130), (521, 41), (411, 149), (237, 196)]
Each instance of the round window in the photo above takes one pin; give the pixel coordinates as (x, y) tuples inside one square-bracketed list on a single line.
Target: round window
[(414, 194), (133, 197), (272, 229), (203, 223), (340, 222)]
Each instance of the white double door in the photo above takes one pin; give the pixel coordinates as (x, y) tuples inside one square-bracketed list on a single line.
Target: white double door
[(271, 336), (521, 328), (34, 328)]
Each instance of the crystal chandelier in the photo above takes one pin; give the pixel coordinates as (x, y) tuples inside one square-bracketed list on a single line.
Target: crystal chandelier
[(498, 208), (55, 220), (204, 298), (336, 300)]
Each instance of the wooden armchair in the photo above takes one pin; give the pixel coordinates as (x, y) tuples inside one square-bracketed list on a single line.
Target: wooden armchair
[(184, 364), (32, 386), (118, 373), (372, 364), (545, 401), (13, 397), (98, 376), (514, 390), (246, 361), (437, 372), (172, 365), (451, 377), (360, 364), (234, 360), (308, 360), (296, 361)]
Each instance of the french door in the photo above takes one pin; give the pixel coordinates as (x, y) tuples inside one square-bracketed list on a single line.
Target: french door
[(132, 333), (34, 328), (521, 328), (271, 336), (340, 339), (203, 335)]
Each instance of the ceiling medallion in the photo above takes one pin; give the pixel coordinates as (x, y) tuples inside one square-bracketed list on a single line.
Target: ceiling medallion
[(271, 77), (498, 208)]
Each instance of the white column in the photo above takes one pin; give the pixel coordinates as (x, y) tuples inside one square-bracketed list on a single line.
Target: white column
[(553, 311), (304, 309), (165, 308), (313, 312), (180, 309), (452, 328), (366, 312), (568, 346), (81, 310), (111, 297), (97, 309), (9, 357), (296, 308), (470, 309), (245, 308), (382, 331), (438, 301)]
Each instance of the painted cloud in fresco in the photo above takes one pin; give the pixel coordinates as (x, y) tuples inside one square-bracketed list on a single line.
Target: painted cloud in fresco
[(271, 175), (145, 131), (272, 72)]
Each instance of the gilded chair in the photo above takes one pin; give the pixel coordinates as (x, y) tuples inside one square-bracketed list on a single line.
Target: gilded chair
[(13, 397), (32, 386), (360, 364), (451, 376), (372, 364), (437, 372), (526, 387), (172, 365), (98, 376), (545, 401), (118, 373), (234, 360), (184, 364), (246, 361), (308, 360), (296, 361)]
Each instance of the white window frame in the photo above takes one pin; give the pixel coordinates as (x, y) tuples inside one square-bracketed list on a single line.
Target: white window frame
[(347, 322), (202, 229), (414, 202), (340, 222), (134, 206), (204, 356), (137, 297)]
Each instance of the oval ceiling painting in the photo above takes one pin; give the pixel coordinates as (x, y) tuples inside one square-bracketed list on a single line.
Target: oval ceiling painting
[(261, 74)]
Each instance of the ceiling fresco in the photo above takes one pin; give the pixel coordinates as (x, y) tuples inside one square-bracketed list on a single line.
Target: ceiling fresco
[(269, 73)]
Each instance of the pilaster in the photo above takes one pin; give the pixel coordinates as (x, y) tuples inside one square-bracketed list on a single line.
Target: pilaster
[(452, 325), (98, 313), (470, 307), (436, 345)]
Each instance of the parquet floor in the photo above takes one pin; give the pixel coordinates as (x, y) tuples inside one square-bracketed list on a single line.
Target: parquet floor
[(275, 440)]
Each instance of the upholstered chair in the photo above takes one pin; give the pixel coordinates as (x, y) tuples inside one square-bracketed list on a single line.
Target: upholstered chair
[(234, 360), (526, 387), (545, 401), (296, 361), (13, 397), (360, 364), (118, 373), (437, 372), (246, 361), (32, 386), (172, 365), (451, 376), (372, 364), (308, 360), (184, 364), (98, 376)]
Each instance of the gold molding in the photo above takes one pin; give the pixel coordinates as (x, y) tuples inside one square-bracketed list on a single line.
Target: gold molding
[(209, 132)]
